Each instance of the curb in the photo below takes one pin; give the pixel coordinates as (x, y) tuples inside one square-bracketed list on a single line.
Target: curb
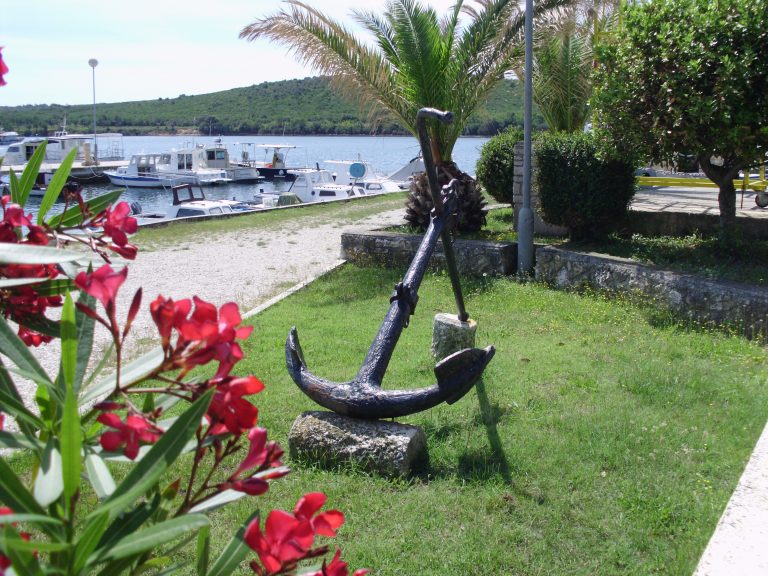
[(292, 290)]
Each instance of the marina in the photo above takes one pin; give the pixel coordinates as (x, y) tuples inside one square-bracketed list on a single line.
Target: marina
[(386, 154)]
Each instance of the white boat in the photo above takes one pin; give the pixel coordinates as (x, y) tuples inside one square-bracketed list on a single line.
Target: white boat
[(189, 201), (273, 165), (166, 169), (405, 175), (61, 143), (142, 172), (360, 173), (217, 156), (317, 185)]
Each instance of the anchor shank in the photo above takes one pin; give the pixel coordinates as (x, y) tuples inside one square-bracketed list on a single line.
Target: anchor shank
[(431, 171), (380, 352)]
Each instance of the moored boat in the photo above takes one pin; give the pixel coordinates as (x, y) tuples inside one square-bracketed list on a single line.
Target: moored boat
[(362, 174), (274, 165), (189, 201), (317, 185)]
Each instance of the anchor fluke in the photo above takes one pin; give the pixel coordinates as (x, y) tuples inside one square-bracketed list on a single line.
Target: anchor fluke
[(456, 375), (459, 371)]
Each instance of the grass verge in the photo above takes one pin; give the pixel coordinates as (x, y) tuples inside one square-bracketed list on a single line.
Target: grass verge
[(603, 438)]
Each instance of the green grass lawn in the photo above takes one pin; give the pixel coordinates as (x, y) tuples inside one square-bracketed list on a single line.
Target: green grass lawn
[(602, 439)]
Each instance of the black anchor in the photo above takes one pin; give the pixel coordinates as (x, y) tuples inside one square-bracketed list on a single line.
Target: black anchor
[(363, 396)]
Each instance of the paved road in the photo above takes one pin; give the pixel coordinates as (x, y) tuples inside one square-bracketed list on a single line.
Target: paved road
[(694, 200)]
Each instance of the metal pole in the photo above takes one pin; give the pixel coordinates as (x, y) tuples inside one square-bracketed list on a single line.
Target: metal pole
[(525, 226), (93, 63)]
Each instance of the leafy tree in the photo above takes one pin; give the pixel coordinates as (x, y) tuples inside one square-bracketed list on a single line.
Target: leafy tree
[(417, 60), (690, 75)]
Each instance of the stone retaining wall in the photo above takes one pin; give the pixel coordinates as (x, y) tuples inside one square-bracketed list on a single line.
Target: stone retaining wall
[(473, 257), (741, 306)]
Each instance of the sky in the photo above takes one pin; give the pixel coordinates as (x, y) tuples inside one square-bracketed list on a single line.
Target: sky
[(146, 49)]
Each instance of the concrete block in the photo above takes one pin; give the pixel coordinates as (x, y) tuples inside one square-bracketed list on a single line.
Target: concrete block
[(387, 448), (449, 335)]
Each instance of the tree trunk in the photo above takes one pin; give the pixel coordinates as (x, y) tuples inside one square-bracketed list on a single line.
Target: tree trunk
[(723, 176)]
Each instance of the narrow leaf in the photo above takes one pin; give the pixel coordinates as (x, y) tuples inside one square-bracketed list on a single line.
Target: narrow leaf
[(49, 483), (147, 472), (154, 536), (9, 388), (15, 408), (22, 559), (73, 216), (55, 185), (99, 476), (85, 331), (203, 550), (29, 176), (128, 523), (235, 552), (19, 441), (17, 352), (130, 373), (89, 539), (33, 254), (14, 494)]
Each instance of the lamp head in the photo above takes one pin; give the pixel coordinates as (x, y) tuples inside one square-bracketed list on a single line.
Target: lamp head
[(93, 62)]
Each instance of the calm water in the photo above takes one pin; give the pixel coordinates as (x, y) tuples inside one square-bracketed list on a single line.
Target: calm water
[(385, 154)]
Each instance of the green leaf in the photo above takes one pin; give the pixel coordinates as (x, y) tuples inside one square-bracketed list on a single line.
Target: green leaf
[(15, 408), (14, 494), (29, 176), (85, 331), (9, 388), (49, 483), (68, 343), (32, 254), (99, 476), (22, 559), (203, 550), (147, 472), (129, 522), (89, 539), (73, 216), (235, 552), (130, 373), (152, 537), (71, 432), (19, 441), (17, 352), (55, 185)]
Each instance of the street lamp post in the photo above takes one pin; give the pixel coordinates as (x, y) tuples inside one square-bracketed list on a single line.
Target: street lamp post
[(93, 63), (525, 226)]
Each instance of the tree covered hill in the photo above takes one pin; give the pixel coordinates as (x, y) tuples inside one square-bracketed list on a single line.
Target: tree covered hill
[(293, 107)]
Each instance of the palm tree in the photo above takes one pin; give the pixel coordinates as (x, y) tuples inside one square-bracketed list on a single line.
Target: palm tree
[(564, 59), (416, 60)]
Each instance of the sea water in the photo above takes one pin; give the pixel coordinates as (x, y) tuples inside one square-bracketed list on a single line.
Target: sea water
[(385, 154)]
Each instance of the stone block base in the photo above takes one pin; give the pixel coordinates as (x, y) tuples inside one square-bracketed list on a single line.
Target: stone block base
[(449, 335), (387, 448)]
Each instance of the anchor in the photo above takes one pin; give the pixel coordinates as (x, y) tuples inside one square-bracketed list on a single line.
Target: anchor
[(363, 396)]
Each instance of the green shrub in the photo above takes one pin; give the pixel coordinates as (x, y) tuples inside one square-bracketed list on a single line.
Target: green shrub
[(496, 166), (583, 184)]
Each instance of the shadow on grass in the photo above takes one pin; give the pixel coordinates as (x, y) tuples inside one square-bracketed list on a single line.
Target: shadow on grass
[(496, 462)]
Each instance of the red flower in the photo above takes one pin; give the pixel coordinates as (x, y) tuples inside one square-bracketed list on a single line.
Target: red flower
[(285, 541), (168, 315), (102, 284), (5, 562), (324, 524), (135, 429), (3, 68), (229, 411), (337, 567), (119, 223), (2, 420), (262, 456), (216, 332)]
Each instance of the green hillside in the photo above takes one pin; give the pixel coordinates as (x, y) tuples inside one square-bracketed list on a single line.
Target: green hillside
[(293, 107)]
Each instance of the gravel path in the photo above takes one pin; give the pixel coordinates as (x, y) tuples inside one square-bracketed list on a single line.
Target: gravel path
[(248, 266)]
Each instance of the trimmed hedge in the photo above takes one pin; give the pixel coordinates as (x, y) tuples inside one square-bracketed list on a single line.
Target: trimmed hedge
[(583, 184), (495, 169)]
